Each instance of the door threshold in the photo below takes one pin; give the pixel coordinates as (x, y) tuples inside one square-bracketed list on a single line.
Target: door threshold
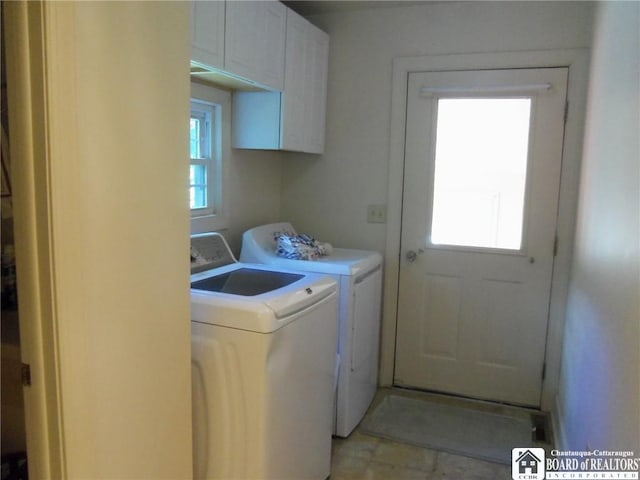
[(463, 398), (541, 432)]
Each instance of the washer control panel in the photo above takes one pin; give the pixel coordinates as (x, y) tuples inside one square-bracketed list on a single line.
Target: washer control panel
[(209, 250)]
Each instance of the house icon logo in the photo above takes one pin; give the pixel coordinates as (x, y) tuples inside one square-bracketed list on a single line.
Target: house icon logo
[(527, 463)]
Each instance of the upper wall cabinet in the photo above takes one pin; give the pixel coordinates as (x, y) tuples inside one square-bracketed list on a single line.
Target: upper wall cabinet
[(207, 33), (239, 44), (294, 119)]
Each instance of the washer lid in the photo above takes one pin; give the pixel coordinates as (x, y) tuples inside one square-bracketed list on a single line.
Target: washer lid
[(261, 312), (247, 282)]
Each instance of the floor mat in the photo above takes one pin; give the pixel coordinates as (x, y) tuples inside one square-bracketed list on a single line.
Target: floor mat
[(451, 428)]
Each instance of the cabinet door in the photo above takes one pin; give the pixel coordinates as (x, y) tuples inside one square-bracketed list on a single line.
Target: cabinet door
[(240, 38), (316, 85), (293, 100), (271, 45), (254, 41), (207, 33), (304, 98)]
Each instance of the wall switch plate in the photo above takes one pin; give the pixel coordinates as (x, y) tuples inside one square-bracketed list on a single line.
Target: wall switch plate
[(376, 214)]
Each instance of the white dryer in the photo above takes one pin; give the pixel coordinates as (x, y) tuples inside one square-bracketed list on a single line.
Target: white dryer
[(263, 366), (359, 276)]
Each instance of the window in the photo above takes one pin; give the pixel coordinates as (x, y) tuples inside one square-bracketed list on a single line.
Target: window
[(201, 138), (482, 147), (209, 140)]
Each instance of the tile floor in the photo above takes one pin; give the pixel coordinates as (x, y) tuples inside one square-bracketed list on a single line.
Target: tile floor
[(365, 457)]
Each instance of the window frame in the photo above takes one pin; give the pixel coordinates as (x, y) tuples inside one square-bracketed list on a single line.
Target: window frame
[(208, 114), (216, 215)]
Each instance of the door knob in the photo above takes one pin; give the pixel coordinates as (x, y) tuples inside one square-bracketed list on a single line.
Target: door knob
[(412, 255)]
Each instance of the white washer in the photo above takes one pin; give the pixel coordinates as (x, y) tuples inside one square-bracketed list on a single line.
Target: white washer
[(263, 366), (359, 276)]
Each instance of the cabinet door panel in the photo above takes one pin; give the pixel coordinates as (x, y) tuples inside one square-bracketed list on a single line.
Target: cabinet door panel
[(240, 38), (207, 33), (254, 41), (294, 102), (271, 56), (316, 83)]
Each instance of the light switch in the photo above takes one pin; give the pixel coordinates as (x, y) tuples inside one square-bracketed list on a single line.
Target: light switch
[(376, 214)]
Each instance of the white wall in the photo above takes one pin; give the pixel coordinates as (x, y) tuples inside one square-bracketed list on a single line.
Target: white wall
[(328, 195), (599, 399), (255, 183)]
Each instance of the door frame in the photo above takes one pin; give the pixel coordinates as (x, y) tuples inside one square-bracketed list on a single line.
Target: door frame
[(577, 61), (26, 26)]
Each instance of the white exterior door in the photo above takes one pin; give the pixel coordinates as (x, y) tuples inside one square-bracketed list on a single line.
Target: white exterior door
[(482, 175)]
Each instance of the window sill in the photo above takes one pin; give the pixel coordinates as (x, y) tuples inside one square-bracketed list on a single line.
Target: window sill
[(209, 223)]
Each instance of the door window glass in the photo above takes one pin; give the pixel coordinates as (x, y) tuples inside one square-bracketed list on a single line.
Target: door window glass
[(480, 172)]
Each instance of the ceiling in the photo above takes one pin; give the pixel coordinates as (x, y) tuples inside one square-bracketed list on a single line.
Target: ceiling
[(314, 7)]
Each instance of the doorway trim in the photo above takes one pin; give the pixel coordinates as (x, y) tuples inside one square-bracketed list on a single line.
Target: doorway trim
[(28, 33), (577, 61)]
